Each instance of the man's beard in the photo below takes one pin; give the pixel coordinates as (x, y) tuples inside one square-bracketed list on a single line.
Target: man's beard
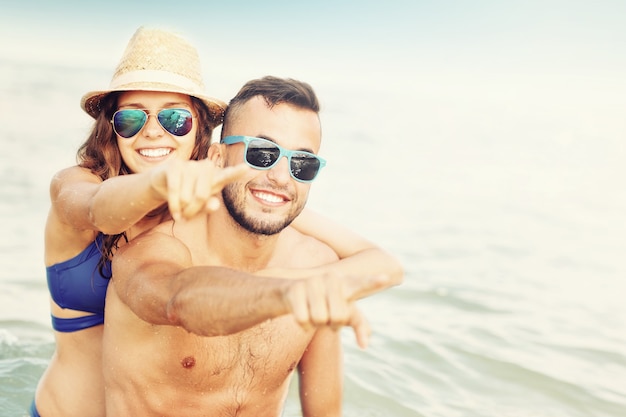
[(234, 202)]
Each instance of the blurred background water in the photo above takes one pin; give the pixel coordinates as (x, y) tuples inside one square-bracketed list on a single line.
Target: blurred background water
[(483, 146)]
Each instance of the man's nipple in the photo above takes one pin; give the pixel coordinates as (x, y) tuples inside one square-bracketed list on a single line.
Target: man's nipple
[(188, 362)]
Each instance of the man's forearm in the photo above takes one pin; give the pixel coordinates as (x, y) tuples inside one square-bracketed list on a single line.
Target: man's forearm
[(215, 301)]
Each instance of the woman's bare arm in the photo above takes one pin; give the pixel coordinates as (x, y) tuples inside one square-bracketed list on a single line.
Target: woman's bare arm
[(357, 254), (82, 200)]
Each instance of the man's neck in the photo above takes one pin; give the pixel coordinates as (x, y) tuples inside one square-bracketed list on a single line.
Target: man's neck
[(237, 247)]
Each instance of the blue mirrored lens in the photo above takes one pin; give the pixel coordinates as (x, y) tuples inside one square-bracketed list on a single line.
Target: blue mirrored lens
[(127, 123), (176, 121)]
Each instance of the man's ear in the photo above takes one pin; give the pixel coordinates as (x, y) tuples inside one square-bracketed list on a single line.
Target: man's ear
[(216, 154)]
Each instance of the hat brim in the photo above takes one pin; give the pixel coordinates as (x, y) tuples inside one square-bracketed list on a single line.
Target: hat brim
[(90, 102)]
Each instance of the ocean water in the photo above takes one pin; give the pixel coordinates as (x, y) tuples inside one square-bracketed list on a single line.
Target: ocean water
[(510, 224)]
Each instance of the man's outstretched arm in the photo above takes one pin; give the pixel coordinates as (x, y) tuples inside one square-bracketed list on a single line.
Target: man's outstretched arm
[(154, 276)]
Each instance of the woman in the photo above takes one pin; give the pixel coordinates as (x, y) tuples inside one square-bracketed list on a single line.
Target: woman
[(133, 168)]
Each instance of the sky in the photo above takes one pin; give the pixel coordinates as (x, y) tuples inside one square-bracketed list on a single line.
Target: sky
[(394, 39)]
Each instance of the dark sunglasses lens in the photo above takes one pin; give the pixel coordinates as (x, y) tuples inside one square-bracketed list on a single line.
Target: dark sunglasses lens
[(127, 123), (304, 166), (262, 154), (176, 121)]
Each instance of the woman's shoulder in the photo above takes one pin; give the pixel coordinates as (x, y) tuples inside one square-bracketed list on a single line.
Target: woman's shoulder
[(74, 172), (70, 177)]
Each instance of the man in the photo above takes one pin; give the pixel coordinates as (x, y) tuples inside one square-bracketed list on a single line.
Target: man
[(194, 325)]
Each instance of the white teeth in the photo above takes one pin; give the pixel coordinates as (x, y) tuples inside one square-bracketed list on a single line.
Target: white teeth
[(155, 153), (270, 198)]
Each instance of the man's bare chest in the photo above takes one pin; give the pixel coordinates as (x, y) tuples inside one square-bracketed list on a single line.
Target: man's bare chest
[(265, 354)]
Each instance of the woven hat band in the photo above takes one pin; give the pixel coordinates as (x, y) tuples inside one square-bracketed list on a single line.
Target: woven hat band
[(148, 76)]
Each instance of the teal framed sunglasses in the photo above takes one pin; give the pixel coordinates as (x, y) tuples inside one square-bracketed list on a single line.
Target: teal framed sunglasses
[(264, 154), (128, 122)]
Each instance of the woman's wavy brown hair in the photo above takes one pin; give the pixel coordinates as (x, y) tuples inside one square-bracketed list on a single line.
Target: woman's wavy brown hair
[(101, 155)]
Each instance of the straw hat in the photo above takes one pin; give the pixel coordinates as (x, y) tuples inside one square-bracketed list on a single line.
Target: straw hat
[(156, 60)]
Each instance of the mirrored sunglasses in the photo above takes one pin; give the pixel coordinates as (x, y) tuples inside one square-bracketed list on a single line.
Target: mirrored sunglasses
[(128, 122), (264, 154)]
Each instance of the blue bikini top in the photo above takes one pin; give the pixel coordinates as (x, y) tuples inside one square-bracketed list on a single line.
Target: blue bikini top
[(78, 285)]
